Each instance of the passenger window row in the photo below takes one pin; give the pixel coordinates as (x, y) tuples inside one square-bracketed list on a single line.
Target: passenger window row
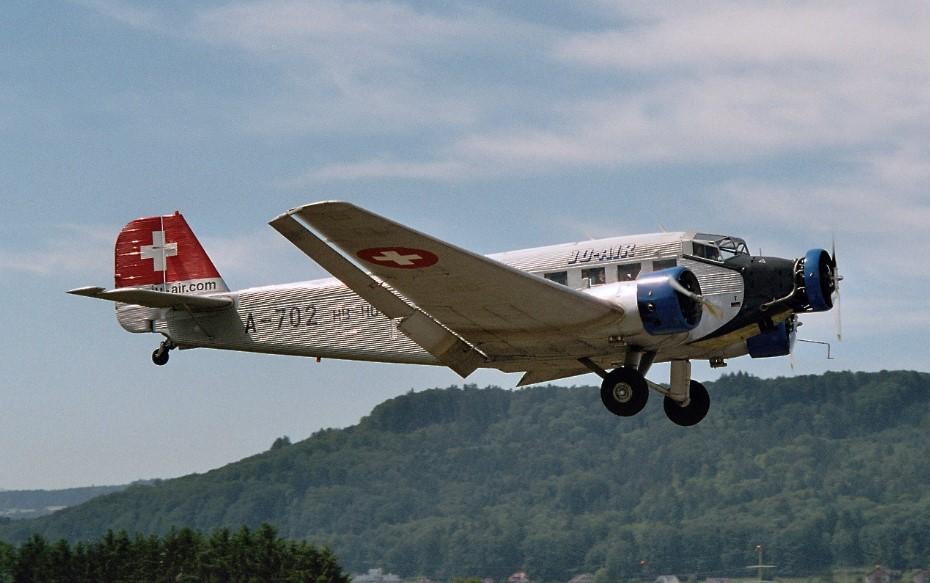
[(598, 275)]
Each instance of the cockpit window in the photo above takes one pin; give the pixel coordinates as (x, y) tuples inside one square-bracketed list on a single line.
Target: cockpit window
[(719, 247), (730, 247)]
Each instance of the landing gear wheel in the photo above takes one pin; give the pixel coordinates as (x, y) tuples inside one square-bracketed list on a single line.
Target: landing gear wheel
[(694, 411), (624, 392), (160, 356)]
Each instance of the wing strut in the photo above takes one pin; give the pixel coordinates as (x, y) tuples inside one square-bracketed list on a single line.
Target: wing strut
[(433, 337)]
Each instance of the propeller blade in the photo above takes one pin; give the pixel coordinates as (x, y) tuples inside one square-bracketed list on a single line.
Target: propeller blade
[(837, 278), (676, 285), (838, 316)]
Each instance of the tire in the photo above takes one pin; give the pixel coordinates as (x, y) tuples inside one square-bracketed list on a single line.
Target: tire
[(160, 356), (694, 412), (624, 392)]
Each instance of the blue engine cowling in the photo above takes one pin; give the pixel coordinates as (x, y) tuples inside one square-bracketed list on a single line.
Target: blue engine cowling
[(818, 280), (662, 309), (777, 341)]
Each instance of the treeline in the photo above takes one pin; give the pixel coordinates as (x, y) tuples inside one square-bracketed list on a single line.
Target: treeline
[(181, 555), (825, 471)]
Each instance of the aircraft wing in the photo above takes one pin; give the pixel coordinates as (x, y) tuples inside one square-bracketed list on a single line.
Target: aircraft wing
[(154, 299), (504, 312)]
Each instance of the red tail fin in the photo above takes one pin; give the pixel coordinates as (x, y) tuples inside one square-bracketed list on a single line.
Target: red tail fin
[(163, 253)]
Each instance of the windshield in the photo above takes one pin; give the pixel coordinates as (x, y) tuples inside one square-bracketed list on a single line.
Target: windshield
[(719, 247)]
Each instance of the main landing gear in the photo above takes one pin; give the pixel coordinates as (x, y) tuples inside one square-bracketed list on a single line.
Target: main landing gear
[(625, 390), (160, 355), (691, 412)]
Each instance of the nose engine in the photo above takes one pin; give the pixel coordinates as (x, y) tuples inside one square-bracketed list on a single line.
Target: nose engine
[(816, 280)]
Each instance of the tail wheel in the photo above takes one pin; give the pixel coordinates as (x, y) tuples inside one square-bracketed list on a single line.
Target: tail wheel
[(624, 392), (160, 356), (694, 411)]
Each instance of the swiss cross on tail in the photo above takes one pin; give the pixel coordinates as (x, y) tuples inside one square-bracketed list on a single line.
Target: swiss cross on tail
[(159, 251), (399, 257)]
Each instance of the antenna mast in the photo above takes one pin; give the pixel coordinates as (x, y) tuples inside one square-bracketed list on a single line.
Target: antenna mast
[(761, 567)]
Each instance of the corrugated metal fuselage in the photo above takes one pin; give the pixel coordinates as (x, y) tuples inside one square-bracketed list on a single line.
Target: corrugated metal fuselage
[(323, 318)]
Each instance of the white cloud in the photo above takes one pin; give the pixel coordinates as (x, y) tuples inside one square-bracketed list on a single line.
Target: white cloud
[(725, 81), (346, 35), (728, 34), (708, 83), (75, 249), (361, 67), (380, 168), (128, 14), (905, 169), (354, 67), (260, 257)]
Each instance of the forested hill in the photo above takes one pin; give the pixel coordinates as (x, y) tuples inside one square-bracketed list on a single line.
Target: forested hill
[(19, 504), (825, 471)]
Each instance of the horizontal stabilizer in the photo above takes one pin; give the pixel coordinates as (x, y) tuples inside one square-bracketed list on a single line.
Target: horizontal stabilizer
[(154, 299)]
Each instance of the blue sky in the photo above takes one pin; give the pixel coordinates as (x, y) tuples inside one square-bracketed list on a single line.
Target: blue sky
[(494, 127)]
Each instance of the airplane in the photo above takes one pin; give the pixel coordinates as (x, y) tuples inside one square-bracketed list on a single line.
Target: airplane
[(611, 306)]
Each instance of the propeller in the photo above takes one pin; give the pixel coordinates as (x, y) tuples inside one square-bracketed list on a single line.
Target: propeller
[(676, 285), (835, 284)]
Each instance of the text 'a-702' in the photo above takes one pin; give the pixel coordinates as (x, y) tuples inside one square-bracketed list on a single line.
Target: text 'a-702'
[(307, 316)]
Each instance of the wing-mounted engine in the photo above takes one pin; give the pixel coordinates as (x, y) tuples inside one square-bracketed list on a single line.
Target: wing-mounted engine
[(660, 303), (668, 301)]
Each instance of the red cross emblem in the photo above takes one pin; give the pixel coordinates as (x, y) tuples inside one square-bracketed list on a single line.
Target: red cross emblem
[(398, 257)]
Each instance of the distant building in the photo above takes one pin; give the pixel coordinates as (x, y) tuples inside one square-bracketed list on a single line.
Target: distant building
[(922, 576), (717, 580), (882, 575), (376, 576), (519, 577), (667, 579), (583, 578)]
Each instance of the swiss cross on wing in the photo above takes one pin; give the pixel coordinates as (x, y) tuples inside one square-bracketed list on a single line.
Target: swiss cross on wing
[(159, 251), (398, 257)]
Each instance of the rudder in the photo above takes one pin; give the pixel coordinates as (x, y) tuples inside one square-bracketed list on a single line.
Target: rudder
[(162, 253)]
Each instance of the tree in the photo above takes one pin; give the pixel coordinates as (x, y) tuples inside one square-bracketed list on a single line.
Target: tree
[(280, 442)]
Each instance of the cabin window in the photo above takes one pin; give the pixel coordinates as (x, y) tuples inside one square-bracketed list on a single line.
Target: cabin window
[(628, 272), (594, 275), (558, 277), (660, 264)]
